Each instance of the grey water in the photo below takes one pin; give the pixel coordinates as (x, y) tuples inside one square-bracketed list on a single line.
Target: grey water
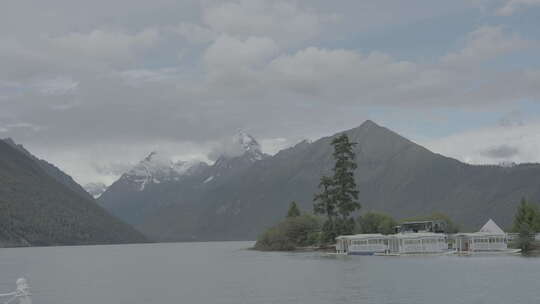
[(225, 272)]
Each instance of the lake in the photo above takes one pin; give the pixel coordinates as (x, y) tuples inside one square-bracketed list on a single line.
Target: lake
[(224, 272)]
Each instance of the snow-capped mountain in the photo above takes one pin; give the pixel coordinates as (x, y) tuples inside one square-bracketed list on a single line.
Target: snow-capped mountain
[(243, 150), (95, 189), (156, 182), (394, 175), (250, 146), (156, 168)]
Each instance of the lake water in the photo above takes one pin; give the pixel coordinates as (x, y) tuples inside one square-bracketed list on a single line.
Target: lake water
[(224, 272)]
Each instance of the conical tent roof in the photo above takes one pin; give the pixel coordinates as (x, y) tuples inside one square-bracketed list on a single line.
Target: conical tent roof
[(491, 227)]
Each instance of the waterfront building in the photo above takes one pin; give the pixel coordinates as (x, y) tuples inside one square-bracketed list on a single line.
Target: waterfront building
[(362, 244), (418, 243), (395, 244), (490, 238)]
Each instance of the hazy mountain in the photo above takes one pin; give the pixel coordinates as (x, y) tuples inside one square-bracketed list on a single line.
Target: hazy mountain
[(37, 209), (153, 183), (95, 189), (394, 175), (51, 169), (157, 183)]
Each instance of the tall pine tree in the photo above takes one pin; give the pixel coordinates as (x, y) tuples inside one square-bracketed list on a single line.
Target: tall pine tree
[(527, 215), (344, 185), (526, 223), (324, 201), (293, 210), (339, 195)]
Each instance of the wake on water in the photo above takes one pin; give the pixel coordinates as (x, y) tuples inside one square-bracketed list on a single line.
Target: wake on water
[(20, 296)]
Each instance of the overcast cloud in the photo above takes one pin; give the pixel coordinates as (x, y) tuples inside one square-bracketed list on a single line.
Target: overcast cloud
[(94, 86)]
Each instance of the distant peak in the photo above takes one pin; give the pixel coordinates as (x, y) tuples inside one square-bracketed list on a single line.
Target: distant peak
[(150, 156), (241, 144), (12, 143), (368, 123), (9, 140), (158, 167), (17, 146), (95, 189), (247, 142)]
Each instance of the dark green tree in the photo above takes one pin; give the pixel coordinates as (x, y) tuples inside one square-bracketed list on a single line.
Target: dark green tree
[(338, 196), (526, 223), (376, 222), (326, 205), (527, 216), (324, 201), (293, 210), (525, 240), (344, 189), (291, 233)]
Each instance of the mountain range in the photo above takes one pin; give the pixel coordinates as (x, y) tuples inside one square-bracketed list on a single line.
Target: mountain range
[(40, 205), (238, 196)]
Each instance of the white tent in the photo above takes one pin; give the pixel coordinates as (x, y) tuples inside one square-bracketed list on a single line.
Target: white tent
[(491, 227)]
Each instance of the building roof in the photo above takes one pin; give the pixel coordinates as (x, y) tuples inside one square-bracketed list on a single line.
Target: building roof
[(421, 222), (479, 234), (491, 227), (418, 235), (411, 235), (361, 236)]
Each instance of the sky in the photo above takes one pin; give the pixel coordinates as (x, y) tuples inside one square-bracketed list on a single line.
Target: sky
[(95, 86)]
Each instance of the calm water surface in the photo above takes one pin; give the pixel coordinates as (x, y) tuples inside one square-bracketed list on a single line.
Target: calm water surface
[(223, 272)]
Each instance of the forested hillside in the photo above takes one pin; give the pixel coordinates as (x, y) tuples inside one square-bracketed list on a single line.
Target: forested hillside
[(36, 209)]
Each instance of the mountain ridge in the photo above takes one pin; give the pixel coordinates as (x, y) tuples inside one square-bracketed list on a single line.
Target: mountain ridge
[(394, 175), (38, 210), (50, 169)]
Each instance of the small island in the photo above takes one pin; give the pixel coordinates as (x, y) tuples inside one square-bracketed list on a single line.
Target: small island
[(337, 201)]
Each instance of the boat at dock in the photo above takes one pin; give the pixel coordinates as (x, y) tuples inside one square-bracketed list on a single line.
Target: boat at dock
[(393, 244), (426, 238)]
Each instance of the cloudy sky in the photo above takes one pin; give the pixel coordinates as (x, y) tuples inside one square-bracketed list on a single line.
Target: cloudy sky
[(94, 86)]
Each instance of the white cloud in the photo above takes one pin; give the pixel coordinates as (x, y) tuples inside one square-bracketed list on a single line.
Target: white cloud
[(512, 6), (492, 145), (114, 159), (231, 59), (137, 77), (274, 145), (231, 52), (194, 33), (485, 43), (25, 126), (107, 45), (57, 86), (348, 77), (279, 20), (130, 73), (20, 63)]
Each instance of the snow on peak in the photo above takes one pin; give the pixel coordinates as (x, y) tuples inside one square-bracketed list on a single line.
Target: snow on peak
[(95, 189), (152, 154), (156, 168), (507, 164), (241, 144), (152, 164), (186, 167), (247, 142)]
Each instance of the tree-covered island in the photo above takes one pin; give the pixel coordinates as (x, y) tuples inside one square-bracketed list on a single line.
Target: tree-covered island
[(337, 201)]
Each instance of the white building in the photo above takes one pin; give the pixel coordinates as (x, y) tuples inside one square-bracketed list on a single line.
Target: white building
[(362, 244), (418, 243), (490, 238), (401, 243)]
